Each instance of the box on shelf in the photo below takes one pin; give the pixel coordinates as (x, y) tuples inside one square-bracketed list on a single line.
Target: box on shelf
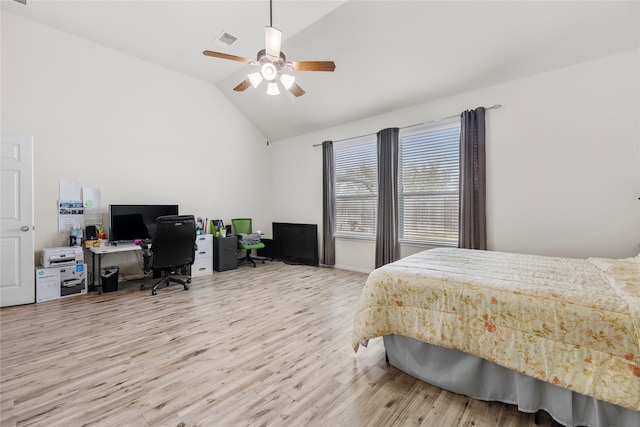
[(60, 282), (92, 243)]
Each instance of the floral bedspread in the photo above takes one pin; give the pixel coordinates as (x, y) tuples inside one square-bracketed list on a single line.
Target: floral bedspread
[(570, 322)]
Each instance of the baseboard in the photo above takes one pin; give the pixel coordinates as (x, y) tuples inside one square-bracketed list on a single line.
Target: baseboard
[(350, 268)]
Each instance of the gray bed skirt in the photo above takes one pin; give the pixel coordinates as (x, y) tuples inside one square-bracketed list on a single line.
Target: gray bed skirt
[(480, 379)]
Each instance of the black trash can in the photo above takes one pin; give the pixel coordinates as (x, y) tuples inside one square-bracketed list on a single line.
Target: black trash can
[(109, 278)]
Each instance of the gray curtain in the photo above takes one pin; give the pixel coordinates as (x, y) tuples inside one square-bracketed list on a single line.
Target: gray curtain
[(473, 212), (328, 205), (387, 248)]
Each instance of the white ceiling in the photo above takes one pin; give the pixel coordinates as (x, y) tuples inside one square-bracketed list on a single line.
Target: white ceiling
[(388, 54)]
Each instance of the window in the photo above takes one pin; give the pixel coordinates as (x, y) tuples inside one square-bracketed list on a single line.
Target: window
[(428, 185), (356, 187), (428, 180)]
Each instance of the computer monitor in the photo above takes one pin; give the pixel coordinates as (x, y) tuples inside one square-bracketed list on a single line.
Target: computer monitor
[(128, 223)]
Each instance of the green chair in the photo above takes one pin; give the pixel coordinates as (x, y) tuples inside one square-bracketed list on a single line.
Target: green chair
[(246, 239)]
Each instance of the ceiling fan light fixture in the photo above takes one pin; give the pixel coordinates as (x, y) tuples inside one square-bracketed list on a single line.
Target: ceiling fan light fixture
[(287, 80), (272, 89), (273, 41), (255, 79), (272, 62), (268, 71)]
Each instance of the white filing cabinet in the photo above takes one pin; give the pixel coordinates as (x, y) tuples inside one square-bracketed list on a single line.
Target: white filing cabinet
[(203, 265)]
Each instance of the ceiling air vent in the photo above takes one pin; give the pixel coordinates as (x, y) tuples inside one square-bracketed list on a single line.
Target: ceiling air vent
[(226, 38)]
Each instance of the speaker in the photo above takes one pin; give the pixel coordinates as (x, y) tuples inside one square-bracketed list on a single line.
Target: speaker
[(91, 232), (271, 249)]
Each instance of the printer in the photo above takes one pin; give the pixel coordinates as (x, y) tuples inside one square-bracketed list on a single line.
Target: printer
[(62, 257)]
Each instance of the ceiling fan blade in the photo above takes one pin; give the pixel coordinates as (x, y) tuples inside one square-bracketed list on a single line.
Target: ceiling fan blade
[(242, 86), (296, 90), (226, 56), (313, 65), (272, 41)]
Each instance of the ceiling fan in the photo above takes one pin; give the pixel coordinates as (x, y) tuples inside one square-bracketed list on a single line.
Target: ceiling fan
[(273, 64)]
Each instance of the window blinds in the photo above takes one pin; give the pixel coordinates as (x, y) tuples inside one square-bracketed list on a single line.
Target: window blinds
[(356, 187), (428, 184)]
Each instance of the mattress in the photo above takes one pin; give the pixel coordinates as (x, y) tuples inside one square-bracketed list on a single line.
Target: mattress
[(569, 322)]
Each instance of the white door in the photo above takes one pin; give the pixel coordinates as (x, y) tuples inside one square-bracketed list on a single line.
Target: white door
[(17, 285)]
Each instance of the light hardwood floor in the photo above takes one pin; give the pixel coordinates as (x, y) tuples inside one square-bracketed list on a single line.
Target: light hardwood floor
[(255, 346)]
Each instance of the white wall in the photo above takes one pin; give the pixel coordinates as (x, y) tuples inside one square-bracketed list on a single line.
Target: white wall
[(563, 158), (563, 154), (139, 132)]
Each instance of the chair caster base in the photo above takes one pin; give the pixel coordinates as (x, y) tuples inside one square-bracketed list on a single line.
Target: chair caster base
[(184, 281)]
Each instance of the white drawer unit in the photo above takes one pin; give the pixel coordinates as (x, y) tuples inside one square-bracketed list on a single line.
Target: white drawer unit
[(203, 265)]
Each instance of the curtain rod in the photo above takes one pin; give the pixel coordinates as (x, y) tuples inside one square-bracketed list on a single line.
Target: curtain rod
[(493, 107)]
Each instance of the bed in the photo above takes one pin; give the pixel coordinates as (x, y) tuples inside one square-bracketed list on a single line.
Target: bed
[(545, 333)]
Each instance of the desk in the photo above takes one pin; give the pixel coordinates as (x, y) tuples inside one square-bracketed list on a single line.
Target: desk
[(103, 250)]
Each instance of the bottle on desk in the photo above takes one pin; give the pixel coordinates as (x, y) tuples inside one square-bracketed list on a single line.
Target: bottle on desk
[(75, 239)]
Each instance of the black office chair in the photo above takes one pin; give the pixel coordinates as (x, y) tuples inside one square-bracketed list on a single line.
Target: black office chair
[(172, 251)]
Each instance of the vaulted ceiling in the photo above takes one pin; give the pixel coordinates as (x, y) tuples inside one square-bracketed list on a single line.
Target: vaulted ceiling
[(388, 54)]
